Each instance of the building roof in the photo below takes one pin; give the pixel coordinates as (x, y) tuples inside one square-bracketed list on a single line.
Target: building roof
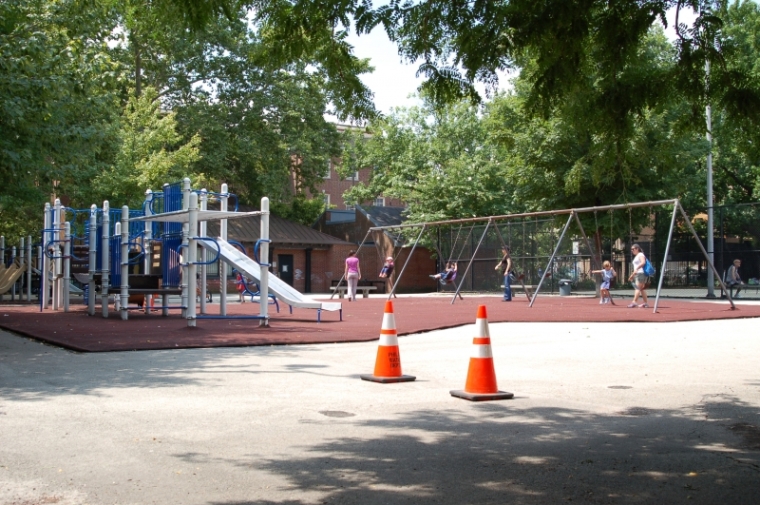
[(281, 232), (383, 216)]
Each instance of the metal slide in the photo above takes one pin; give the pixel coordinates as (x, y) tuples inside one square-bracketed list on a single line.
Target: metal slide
[(281, 290)]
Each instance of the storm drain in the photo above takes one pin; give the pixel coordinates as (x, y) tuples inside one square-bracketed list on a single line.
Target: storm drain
[(336, 413)]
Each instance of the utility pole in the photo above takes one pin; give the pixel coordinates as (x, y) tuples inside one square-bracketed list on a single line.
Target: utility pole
[(710, 224)]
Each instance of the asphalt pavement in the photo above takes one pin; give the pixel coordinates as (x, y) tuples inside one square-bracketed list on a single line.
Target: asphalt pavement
[(603, 413)]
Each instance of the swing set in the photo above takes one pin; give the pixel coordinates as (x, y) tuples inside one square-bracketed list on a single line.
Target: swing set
[(491, 225)]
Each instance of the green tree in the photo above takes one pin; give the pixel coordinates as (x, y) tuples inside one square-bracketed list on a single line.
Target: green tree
[(150, 153), (260, 124), (55, 82), (737, 138), (437, 160)]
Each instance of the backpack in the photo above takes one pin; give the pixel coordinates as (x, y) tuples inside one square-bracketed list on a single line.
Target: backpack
[(649, 270)]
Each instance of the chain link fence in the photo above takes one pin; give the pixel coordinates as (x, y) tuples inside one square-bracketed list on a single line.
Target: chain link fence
[(605, 236)]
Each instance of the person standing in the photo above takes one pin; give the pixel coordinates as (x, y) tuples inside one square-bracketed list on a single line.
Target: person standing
[(352, 273), (240, 286), (607, 275), (638, 278), (506, 265)]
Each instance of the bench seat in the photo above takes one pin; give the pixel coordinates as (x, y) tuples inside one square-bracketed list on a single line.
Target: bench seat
[(364, 289)]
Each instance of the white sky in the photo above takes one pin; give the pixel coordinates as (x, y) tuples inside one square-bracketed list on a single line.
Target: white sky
[(393, 81)]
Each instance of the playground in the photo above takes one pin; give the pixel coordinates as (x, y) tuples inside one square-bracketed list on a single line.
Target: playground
[(361, 321), (147, 263)]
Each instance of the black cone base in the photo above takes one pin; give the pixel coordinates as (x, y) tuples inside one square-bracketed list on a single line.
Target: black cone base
[(387, 380), (482, 397)]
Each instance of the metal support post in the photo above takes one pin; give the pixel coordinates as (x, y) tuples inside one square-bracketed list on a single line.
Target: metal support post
[(105, 253), (66, 288), (29, 268), (551, 260), (665, 259), (185, 244), (93, 259), (204, 256), (472, 258), (264, 264), (224, 199), (398, 279), (124, 264), (45, 259), (147, 245), (192, 258), (13, 261), (707, 256), (56, 254)]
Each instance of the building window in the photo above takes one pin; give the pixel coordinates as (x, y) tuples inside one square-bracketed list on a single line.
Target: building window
[(326, 196), (350, 207), (328, 171), (353, 177), (380, 201)]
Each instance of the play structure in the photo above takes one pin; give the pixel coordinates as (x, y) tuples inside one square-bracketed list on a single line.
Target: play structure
[(553, 246), (149, 256)]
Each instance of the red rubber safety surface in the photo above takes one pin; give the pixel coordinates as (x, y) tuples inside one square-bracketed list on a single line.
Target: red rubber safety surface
[(362, 321)]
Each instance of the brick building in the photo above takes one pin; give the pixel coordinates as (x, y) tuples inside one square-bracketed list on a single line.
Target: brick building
[(303, 257), (352, 226), (333, 185)]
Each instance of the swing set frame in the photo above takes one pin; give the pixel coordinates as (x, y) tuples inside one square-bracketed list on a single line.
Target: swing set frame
[(572, 216)]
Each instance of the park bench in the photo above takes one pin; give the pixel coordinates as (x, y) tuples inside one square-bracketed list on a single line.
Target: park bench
[(364, 289)]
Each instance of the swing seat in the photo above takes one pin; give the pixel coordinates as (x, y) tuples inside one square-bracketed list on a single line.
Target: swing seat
[(449, 278)]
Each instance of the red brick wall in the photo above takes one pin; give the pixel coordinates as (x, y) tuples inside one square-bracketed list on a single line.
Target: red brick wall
[(335, 187), (328, 265)]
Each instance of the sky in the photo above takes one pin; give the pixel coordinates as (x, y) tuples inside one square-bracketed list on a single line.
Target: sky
[(393, 81)]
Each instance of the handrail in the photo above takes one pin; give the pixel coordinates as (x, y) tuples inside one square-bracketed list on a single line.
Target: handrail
[(256, 251), (218, 250)]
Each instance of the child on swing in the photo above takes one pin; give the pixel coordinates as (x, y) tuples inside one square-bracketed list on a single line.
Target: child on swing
[(448, 273), (607, 275), (387, 269)]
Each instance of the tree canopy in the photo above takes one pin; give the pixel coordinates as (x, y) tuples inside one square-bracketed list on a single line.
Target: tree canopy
[(99, 98)]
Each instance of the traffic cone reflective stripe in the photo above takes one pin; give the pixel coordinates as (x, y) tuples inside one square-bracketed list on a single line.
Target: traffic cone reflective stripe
[(388, 360), (481, 375)]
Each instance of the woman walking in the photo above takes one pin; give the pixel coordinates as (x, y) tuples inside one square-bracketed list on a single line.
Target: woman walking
[(638, 278), (352, 273), (506, 266)]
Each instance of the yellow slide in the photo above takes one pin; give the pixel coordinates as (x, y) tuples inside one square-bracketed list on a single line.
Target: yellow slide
[(9, 275)]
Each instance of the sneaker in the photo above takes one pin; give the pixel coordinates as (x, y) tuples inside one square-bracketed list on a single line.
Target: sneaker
[(431, 276), (644, 306), (737, 295), (632, 306), (602, 301)]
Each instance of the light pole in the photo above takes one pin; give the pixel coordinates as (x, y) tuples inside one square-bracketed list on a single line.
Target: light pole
[(710, 238)]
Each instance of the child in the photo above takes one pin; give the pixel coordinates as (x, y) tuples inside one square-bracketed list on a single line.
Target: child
[(240, 286), (387, 269), (448, 273), (607, 275)]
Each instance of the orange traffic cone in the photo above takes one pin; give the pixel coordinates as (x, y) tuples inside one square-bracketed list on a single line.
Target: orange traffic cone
[(388, 362), (481, 377)]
